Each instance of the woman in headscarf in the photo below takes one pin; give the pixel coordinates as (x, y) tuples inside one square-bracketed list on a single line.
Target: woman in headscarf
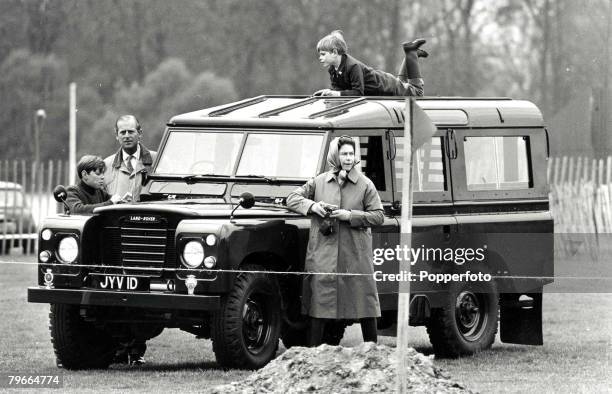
[(343, 204)]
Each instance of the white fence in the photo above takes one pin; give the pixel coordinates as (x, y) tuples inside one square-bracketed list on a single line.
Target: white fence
[(25, 199), (581, 194)]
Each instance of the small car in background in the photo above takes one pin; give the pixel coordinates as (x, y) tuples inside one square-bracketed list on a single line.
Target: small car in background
[(16, 217)]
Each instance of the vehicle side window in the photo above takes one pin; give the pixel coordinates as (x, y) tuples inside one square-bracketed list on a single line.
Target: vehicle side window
[(427, 170), (497, 163)]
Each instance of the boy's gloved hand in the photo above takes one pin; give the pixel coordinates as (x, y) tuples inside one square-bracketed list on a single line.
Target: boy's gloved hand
[(326, 92)]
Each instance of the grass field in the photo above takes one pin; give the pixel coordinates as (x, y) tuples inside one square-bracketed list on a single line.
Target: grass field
[(576, 356)]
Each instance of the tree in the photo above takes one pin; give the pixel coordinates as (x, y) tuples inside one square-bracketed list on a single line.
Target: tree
[(29, 82), (168, 90)]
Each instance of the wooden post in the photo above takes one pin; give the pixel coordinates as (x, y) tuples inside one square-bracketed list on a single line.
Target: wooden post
[(72, 135), (4, 205), (59, 207), (16, 197), (40, 193), (403, 303), (49, 188), (24, 229), (32, 194)]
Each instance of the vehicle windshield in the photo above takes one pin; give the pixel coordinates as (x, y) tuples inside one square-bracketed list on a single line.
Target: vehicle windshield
[(190, 152), (281, 155), (266, 154)]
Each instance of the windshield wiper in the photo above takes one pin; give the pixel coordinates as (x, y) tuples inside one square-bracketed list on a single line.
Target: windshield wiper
[(191, 179), (265, 178)]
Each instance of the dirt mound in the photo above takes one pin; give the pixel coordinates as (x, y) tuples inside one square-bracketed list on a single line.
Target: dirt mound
[(367, 368)]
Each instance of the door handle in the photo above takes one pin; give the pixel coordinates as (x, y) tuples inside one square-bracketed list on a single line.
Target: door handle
[(451, 144), (446, 230)]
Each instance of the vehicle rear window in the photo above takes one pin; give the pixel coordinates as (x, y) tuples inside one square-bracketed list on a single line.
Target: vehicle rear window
[(497, 163)]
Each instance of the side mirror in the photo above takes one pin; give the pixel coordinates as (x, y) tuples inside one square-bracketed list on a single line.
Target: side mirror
[(60, 194), (246, 200)]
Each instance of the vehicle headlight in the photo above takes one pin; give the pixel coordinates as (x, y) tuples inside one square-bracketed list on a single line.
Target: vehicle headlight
[(193, 254), (46, 234), (68, 249), (210, 262), (211, 239)]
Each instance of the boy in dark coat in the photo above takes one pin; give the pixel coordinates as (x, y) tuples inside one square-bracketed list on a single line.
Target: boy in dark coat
[(89, 192), (351, 77)]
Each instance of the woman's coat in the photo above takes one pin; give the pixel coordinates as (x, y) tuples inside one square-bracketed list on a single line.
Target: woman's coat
[(347, 250)]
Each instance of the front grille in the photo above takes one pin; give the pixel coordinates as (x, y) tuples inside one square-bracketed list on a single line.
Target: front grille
[(143, 247), (138, 248)]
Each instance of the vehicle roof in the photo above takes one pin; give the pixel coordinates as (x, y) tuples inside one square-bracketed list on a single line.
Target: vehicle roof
[(10, 185), (310, 112)]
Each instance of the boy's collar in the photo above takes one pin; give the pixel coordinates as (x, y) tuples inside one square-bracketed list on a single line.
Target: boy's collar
[(342, 64)]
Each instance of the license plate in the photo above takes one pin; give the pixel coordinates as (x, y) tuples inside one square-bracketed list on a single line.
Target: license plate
[(121, 282)]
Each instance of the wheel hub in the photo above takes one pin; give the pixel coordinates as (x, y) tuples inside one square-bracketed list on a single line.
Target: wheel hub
[(470, 315), (254, 324)]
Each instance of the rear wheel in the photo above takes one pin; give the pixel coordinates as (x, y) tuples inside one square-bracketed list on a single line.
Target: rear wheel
[(79, 344), (246, 329), (468, 322)]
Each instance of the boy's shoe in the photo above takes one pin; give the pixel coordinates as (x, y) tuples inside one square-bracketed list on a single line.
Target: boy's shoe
[(121, 357), (415, 46), (137, 360)]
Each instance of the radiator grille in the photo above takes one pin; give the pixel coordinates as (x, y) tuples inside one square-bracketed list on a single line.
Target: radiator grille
[(138, 248)]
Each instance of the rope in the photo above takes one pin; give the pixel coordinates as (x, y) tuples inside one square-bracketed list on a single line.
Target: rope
[(277, 272)]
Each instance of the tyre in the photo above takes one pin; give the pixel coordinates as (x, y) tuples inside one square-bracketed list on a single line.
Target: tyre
[(79, 344), (467, 324), (246, 330)]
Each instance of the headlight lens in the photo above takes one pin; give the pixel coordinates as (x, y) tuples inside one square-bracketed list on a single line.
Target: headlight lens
[(193, 254), (44, 256), (210, 262), (46, 234), (211, 239), (68, 249)]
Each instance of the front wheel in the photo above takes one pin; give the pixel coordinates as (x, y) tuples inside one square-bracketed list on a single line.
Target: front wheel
[(467, 323), (246, 329), (77, 343)]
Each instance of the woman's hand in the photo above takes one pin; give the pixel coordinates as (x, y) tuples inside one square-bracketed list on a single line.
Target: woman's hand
[(317, 208), (341, 214)]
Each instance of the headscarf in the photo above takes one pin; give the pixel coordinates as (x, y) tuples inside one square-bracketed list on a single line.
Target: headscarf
[(333, 160)]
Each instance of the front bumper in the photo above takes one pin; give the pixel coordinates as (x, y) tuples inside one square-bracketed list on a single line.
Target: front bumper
[(124, 299)]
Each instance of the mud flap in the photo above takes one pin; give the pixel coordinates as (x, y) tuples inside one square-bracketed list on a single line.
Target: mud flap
[(521, 318)]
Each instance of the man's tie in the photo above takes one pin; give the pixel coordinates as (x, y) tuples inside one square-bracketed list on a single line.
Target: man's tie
[(129, 165)]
